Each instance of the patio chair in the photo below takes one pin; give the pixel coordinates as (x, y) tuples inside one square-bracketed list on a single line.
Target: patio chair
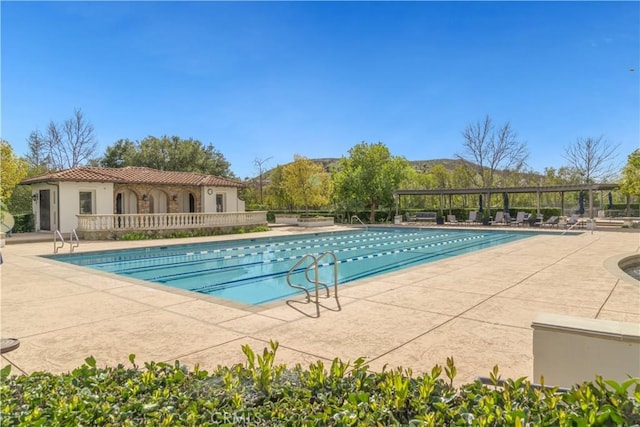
[(499, 219), (451, 219), (573, 220), (473, 218), (552, 221), (520, 218)]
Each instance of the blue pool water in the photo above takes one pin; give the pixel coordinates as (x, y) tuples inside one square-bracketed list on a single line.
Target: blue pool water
[(254, 271)]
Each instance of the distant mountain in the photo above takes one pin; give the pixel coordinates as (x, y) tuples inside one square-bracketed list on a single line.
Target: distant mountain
[(329, 163), (425, 165)]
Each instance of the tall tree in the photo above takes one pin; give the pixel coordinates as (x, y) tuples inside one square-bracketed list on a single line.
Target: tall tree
[(592, 158), (122, 153), (439, 176), (488, 150), (169, 154), (38, 158), (71, 144), (276, 194), (630, 184), (369, 176), (12, 170), (307, 183)]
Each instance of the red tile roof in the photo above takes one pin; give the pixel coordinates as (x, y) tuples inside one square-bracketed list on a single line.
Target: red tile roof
[(133, 175)]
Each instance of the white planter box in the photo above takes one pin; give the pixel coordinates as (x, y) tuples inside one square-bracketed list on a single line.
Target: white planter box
[(315, 222), (287, 219)]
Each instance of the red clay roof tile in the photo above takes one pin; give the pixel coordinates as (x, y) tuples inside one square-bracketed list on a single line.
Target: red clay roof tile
[(133, 175)]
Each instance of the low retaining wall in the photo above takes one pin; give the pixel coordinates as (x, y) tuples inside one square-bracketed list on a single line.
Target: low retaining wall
[(569, 350), (287, 219), (316, 222), (321, 221)]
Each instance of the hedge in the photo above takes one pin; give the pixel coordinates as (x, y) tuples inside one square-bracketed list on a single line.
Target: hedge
[(261, 393)]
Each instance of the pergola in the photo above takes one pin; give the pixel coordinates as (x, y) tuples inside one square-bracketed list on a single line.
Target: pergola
[(561, 189)]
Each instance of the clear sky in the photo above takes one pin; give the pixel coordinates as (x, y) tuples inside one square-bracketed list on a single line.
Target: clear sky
[(274, 79)]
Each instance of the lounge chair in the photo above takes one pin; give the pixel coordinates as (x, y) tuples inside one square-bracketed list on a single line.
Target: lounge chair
[(499, 219), (552, 221), (520, 218), (573, 220), (473, 218), (535, 220), (451, 219)]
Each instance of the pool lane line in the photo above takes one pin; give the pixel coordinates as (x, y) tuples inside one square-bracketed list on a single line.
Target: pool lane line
[(396, 265), (78, 259), (151, 267), (154, 261), (226, 269)]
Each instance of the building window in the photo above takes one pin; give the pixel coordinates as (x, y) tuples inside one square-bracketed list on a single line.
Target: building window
[(86, 202)]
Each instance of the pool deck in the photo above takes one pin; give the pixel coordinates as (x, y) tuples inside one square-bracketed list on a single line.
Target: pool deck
[(477, 308)]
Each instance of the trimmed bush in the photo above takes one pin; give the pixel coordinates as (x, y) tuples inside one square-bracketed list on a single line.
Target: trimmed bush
[(261, 393), (149, 235), (24, 223)]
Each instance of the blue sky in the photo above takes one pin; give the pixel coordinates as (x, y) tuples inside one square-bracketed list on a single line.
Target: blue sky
[(274, 79)]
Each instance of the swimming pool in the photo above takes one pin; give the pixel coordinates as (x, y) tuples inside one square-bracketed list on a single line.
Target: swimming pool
[(254, 271)]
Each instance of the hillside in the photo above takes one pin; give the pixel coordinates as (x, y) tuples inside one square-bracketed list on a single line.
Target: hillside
[(422, 165)]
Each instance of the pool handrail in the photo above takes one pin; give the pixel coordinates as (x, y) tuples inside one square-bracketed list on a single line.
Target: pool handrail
[(73, 236), (295, 266), (57, 235), (366, 227), (314, 266)]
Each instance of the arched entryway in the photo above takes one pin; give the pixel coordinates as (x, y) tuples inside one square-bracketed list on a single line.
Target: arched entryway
[(158, 201), (186, 202), (126, 202)]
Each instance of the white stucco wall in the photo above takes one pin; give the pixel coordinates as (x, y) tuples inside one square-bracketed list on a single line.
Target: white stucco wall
[(230, 198), (568, 350), (65, 202)]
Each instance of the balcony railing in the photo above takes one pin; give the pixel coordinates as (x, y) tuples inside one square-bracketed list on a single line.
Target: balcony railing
[(168, 221)]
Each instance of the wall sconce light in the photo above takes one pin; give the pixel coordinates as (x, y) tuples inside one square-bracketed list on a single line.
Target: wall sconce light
[(34, 197), (174, 197), (144, 197)]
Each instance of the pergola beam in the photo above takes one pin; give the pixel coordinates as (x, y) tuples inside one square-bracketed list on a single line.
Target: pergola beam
[(511, 190)]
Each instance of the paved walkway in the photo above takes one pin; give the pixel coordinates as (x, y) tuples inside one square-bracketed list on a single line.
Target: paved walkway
[(477, 308)]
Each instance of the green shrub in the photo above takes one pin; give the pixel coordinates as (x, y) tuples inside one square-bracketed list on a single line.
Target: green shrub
[(262, 393), (24, 223), (183, 234)]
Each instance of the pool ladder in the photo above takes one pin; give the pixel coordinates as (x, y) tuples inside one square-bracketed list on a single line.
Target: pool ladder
[(315, 280), (72, 236), (356, 217)]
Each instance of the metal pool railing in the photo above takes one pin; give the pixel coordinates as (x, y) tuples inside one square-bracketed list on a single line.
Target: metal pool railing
[(315, 280)]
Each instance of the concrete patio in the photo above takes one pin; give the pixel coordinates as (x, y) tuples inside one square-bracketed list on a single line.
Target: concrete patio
[(477, 308)]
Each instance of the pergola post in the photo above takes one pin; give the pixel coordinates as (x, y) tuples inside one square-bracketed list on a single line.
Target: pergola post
[(591, 203), (562, 203)]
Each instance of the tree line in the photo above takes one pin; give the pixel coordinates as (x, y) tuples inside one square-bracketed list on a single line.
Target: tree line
[(491, 156)]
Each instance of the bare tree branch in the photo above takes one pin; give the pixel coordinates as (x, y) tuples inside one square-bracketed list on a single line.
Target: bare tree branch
[(72, 144), (259, 163), (489, 150), (592, 158)]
